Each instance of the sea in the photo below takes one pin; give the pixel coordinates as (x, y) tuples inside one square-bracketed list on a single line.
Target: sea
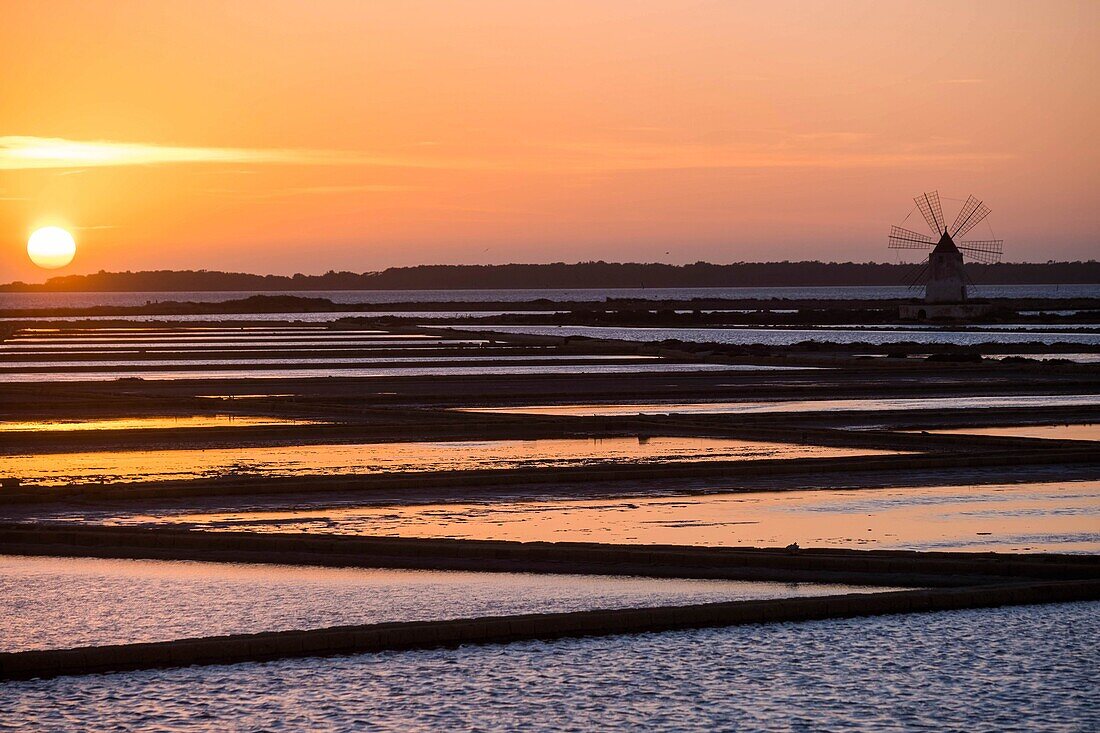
[(348, 297)]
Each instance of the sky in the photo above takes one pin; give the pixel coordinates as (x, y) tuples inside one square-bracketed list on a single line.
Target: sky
[(280, 137)]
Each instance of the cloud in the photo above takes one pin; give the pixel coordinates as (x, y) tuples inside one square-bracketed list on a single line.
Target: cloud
[(19, 152), (4, 196), (313, 190), (331, 190), (831, 149), (814, 150), (963, 81)]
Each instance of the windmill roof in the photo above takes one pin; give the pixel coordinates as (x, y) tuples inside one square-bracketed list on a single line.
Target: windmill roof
[(946, 245)]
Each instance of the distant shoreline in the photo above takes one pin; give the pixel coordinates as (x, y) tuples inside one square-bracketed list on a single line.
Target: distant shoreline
[(561, 276)]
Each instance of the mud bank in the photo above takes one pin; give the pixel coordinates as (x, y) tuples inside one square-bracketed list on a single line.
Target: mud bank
[(857, 567)]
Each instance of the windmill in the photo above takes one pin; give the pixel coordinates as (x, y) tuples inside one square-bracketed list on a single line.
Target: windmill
[(946, 275)]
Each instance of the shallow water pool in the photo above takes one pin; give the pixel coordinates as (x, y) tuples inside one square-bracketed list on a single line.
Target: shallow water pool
[(373, 458), (862, 404), (146, 423), (1036, 517), (1051, 432), (50, 603)]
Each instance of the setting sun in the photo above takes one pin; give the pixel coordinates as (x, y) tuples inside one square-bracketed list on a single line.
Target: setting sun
[(51, 247)]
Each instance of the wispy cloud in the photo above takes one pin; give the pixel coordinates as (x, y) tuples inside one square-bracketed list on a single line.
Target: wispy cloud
[(335, 190), (962, 81), (18, 152), (313, 190), (830, 150), (5, 195)]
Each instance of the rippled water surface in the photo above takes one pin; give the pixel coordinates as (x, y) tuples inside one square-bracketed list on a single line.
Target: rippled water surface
[(1030, 668), (65, 602), (371, 458)]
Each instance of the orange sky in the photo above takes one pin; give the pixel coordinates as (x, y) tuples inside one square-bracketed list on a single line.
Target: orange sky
[(289, 136)]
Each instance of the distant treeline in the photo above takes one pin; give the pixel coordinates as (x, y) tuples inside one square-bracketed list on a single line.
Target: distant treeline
[(562, 275)]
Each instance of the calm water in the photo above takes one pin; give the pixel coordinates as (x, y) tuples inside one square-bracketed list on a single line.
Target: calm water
[(1028, 668), (373, 458), (1054, 432), (146, 423), (37, 355), (279, 317), (1037, 517), (51, 603), (862, 404), (357, 372), (77, 300), (549, 360), (1078, 358), (22, 346), (789, 336), (302, 317)]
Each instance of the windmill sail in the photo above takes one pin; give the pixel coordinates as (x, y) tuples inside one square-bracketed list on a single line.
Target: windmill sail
[(929, 205), (986, 251), (917, 277), (905, 239), (972, 212), (943, 271)]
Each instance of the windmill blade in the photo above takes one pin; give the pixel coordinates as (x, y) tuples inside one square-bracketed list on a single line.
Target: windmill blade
[(973, 211), (914, 280), (987, 251), (929, 205), (905, 239)]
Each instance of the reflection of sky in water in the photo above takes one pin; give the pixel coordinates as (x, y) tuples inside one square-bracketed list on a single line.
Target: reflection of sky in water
[(539, 358), (142, 423), (66, 602), (371, 458), (442, 371), (1057, 432), (270, 343), (869, 404), (789, 336), (1058, 516), (283, 317), (1019, 668), (477, 295)]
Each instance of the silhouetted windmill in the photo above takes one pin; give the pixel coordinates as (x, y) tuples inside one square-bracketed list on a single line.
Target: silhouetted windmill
[(946, 274)]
